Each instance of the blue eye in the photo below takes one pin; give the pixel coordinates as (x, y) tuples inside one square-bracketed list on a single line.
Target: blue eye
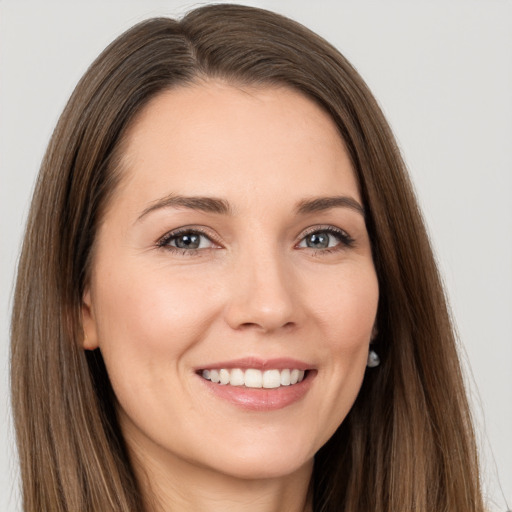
[(186, 240), (329, 238), (320, 240)]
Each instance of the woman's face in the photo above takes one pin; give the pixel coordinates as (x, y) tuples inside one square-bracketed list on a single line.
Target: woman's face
[(235, 248)]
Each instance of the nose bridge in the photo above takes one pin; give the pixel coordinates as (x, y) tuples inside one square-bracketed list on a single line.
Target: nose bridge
[(262, 289)]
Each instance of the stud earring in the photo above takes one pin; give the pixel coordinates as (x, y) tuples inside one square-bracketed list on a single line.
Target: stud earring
[(373, 359)]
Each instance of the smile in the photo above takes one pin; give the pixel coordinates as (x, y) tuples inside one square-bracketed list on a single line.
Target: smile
[(254, 378)]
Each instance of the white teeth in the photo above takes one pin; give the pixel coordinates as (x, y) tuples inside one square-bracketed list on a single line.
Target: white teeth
[(271, 379), (253, 378), (224, 376), (237, 377)]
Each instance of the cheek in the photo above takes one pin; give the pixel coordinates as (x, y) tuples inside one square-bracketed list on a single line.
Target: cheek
[(346, 309), (347, 316), (147, 319)]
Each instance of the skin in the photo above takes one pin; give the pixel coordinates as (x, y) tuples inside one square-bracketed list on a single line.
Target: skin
[(254, 288)]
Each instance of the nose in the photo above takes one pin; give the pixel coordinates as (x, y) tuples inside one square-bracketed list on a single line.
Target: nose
[(262, 295)]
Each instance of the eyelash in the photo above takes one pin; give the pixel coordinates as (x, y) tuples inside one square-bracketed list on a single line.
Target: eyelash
[(345, 240), (164, 242)]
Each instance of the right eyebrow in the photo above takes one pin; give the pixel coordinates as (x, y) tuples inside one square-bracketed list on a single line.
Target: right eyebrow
[(204, 204)]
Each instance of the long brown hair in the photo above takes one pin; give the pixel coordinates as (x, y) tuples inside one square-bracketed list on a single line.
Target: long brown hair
[(406, 445)]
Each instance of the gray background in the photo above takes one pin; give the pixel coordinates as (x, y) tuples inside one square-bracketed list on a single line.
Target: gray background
[(442, 71)]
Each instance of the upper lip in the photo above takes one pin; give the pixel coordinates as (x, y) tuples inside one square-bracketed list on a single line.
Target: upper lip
[(280, 363)]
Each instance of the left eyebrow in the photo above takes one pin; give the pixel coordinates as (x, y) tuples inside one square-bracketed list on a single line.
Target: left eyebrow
[(319, 204)]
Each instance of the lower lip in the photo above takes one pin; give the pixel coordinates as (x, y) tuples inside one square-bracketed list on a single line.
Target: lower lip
[(261, 399)]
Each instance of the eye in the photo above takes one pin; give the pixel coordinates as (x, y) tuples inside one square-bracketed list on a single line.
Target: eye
[(327, 238), (186, 240)]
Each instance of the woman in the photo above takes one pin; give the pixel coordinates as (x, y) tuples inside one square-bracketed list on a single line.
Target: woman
[(222, 246)]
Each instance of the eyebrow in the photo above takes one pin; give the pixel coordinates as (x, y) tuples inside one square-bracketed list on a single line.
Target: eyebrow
[(204, 204), (319, 204), (222, 207)]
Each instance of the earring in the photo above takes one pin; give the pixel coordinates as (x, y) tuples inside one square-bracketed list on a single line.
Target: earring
[(373, 359)]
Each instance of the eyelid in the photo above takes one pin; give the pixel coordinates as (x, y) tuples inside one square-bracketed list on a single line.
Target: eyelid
[(345, 239), (163, 241)]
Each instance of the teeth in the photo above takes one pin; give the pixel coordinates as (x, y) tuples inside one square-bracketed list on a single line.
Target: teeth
[(253, 378), (236, 378), (271, 379), (224, 376)]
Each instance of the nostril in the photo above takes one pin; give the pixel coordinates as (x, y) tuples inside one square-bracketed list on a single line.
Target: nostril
[(265, 326)]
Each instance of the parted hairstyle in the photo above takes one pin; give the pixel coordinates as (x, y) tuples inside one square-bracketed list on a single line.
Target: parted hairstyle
[(407, 444)]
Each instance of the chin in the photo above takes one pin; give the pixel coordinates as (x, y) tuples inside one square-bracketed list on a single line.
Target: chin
[(258, 469), (261, 458)]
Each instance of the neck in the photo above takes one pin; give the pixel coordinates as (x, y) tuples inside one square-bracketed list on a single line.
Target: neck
[(179, 486)]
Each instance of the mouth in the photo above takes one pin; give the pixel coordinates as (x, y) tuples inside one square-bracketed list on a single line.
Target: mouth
[(254, 378), (260, 385)]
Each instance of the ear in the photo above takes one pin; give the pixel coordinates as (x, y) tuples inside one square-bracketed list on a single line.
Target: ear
[(375, 331), (90, 341)]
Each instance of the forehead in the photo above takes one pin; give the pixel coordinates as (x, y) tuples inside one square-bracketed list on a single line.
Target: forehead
[(206, 138)]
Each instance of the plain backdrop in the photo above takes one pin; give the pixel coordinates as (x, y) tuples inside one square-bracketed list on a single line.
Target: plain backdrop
[(442, 71)]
